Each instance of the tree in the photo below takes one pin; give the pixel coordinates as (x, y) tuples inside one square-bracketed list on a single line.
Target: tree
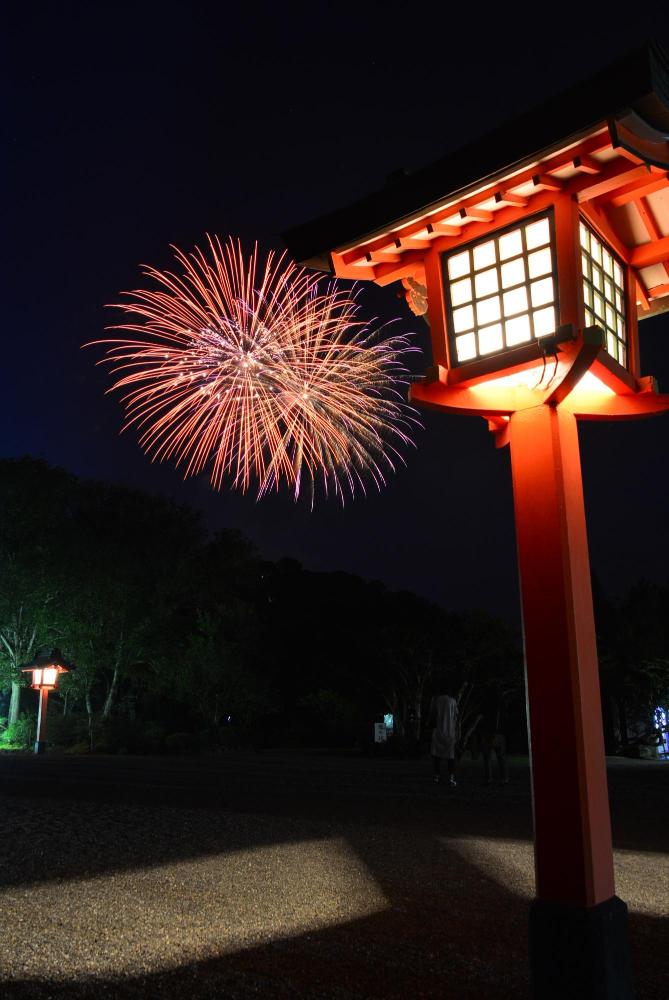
[(216, 671), (409, 642), (130, 548), (633, 640), (485, 655), (35, 529)]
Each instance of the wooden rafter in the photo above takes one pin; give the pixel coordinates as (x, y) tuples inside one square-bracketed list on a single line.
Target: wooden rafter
[(637, 189), (505, 198), (546, 182), (412, 243), (655, 252), (658, 243), (473, 214), (442, 229), (642, 294), (648, 219), (383, 257), (586, 165), (619, 173)]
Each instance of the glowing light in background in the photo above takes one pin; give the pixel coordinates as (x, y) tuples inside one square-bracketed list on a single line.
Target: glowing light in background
[(263, 372), (660, 723)]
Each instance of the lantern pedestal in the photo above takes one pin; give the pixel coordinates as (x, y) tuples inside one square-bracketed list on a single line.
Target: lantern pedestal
[(578, 927), (580, 951), (40, 742)]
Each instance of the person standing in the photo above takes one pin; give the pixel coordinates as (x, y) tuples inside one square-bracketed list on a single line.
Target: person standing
[(444, 718)]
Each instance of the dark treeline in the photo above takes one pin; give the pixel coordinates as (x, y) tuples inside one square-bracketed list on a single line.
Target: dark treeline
[(181, 641)]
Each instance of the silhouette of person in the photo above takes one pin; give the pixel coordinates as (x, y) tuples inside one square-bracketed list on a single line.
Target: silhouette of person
[(444, 718)]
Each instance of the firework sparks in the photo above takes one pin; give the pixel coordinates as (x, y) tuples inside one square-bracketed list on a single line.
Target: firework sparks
[(262, 373)]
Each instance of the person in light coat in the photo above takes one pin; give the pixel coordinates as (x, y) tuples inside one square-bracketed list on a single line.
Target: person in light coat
[(444, 718)]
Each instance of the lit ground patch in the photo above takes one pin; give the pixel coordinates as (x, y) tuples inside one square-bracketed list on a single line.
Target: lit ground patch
[(143, 920), (642, 880), (510, 863)]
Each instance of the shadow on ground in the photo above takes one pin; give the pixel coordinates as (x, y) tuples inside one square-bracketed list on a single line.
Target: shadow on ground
[(286, 876)]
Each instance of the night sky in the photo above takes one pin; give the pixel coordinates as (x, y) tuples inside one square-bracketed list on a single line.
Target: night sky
[(130, 127)]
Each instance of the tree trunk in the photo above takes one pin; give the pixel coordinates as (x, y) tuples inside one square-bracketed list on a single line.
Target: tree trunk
[(14, 703), (89, 710), (417, 715), (622, 720), (111, 694)]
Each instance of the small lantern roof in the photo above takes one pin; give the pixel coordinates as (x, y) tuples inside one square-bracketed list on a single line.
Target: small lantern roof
[(605, 141), (48, 659)]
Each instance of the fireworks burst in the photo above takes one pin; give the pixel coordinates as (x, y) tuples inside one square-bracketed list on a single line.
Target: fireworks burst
[(262, 372)]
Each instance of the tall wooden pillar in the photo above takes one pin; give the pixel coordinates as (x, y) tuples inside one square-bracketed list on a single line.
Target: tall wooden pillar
[(578, 926)]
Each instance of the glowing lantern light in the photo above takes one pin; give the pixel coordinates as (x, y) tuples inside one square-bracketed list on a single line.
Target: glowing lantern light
[(45, 670), (532, 255), (660, 724)]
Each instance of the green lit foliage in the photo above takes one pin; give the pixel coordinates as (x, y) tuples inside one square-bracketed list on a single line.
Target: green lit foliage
[(17, 735)]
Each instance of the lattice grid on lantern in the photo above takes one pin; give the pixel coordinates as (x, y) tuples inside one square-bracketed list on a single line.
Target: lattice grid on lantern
[(502, 292), (604, 293)]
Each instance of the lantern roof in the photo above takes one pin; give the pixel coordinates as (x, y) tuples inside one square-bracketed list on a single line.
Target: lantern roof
[(604, 140), (54, 658)]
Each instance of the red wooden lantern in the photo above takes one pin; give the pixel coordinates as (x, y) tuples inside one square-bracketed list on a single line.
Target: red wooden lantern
[(45, 669), (533, 254)]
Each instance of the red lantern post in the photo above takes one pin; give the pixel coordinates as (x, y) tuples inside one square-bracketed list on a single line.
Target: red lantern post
[(532, 256)]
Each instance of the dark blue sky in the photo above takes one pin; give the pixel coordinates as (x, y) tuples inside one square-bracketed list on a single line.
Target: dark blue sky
[(130, 126)]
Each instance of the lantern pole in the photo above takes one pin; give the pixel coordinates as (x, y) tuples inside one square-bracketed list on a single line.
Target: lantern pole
[(40, 740), (578, 926)]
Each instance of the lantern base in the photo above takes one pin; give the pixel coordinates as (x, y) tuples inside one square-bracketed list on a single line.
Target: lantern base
[(580, 951), (40, 746)]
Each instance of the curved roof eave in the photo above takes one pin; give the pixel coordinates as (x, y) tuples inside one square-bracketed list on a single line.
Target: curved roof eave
[(635, 87)]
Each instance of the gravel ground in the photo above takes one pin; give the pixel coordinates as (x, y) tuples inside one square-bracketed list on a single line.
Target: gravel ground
[(285, 875)]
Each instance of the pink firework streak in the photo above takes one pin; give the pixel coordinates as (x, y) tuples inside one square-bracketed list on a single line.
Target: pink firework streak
[(266, 373)]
